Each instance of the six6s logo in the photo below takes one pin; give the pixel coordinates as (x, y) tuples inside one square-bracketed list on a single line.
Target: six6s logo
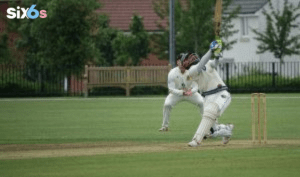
[(29, 13)]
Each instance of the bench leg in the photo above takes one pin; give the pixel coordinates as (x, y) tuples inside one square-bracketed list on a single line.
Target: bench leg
[(86, 93), (127, 90)]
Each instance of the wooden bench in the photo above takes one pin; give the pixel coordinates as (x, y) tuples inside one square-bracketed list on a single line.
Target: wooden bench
[(125, 77)]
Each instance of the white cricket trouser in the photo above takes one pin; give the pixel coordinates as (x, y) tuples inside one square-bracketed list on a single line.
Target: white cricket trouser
[(172, 100), (222, 99), (214, 107)]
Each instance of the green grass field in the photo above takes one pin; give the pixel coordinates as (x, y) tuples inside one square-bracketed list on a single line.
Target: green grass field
[(105, 121)]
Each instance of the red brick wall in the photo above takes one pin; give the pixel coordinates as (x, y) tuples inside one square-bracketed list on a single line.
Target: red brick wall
[(76, 85)]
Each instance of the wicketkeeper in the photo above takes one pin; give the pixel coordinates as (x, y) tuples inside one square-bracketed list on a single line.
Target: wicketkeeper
[(181, 88)]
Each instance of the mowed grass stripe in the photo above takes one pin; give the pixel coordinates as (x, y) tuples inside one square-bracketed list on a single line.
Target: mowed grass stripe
[(258, 162), (97, 120)]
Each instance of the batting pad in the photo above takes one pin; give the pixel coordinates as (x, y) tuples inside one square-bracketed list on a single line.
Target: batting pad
[(212, 111), (203, 129)]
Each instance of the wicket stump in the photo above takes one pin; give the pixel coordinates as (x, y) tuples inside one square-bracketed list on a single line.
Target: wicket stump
[(256, 116)]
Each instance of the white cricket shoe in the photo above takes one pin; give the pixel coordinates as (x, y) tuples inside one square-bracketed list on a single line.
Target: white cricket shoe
[(227, 138), (193, 143), (163, 129)]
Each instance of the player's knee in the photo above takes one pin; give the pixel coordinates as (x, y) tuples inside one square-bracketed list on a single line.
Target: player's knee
[(168, 105), (200, 104), (211, 111)]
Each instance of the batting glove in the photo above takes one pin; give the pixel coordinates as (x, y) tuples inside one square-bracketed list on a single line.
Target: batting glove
[(216, 47)]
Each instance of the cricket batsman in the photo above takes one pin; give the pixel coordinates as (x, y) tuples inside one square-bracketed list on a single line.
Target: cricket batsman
[(213, 89)]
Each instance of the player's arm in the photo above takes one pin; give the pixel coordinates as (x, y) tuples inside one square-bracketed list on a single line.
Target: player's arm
[(171, 85), (196, 69), (194, 87), (214, 63), (193, 90)]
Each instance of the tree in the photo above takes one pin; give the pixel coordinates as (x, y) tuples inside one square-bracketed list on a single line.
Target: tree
[(4, 51), (276, 38), (193, 25), (129, 49), (104, 38), (65, 39), (65, 36)]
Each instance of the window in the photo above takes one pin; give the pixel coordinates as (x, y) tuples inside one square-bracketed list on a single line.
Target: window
[(244, 26)]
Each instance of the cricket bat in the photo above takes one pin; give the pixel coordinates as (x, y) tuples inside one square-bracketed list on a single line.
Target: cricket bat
[(217, 20), (218, 17)]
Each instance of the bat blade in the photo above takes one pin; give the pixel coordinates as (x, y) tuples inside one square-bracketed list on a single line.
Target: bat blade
[(218, 17)]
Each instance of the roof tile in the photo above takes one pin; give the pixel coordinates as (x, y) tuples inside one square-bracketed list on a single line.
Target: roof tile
[(121, 11)]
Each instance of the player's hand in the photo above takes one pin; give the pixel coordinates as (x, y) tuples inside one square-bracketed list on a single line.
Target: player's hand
[(188, 93), (216, 47)]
